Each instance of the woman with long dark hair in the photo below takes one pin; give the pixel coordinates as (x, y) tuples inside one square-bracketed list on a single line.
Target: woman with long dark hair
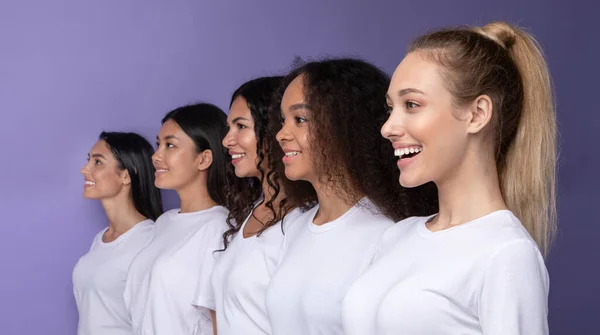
[(253, 241), (163, 279), (327, 125), (120, 174)]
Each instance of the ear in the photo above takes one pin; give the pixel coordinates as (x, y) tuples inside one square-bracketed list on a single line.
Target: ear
[(126, 177), (480, 114), (204, 160)]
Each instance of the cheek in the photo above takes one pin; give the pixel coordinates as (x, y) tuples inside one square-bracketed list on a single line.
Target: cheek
[(303, 138), (173, 159), (107, 181), (248, 143)]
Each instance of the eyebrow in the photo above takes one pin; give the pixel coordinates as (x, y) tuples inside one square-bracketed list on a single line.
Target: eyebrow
[(406, 91), (299, 106), (168, 137), (97, 156), (239, 118)]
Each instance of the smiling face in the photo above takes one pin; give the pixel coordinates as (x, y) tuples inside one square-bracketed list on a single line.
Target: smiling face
[(175, 159), (103, 178), (241, 139), (428, 138), (294, 134)]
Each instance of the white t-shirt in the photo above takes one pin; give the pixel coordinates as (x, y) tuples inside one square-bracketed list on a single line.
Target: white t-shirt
[(241, 277), (99, 281), (163, 278), (318, 266), (486, 276)]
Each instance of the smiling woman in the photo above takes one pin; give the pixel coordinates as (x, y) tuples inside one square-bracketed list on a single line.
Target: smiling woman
[(166, 275), (472, 111), (119, 173), (327, 124)]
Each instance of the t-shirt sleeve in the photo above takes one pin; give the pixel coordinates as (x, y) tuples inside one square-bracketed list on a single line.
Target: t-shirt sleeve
[(213, 241), (514, 293)]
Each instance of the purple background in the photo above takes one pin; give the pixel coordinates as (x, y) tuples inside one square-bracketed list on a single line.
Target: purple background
[(69, 69)]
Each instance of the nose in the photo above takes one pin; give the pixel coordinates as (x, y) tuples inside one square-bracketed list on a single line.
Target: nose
[(85, 170), (283, 134), (228, 140), (157, 156), (393, 127)]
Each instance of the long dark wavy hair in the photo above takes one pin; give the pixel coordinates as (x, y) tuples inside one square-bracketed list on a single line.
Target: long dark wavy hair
[(259, 95), (347, 108)]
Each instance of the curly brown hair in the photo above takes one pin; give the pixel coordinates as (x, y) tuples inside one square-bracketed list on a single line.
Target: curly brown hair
[(347, 101), (259, 94)]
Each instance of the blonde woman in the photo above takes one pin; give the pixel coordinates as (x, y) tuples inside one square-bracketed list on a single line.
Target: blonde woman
[(472, 111)]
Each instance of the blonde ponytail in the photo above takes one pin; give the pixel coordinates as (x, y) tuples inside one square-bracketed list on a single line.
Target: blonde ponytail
[(528, 176)]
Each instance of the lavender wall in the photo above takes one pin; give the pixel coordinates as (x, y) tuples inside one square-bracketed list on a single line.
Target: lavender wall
[(69, 69)]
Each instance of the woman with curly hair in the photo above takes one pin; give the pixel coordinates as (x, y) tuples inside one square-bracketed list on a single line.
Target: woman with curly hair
[(329, 119), (253, 241)]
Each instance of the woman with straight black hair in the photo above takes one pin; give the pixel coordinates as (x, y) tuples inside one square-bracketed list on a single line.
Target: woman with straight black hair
[(120, 174), (163, 279)]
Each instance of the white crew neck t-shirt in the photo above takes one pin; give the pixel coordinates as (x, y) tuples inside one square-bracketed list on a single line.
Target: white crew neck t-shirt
[(318, 266), (486, 276), (241, 277), (99, 281), (163, 278)]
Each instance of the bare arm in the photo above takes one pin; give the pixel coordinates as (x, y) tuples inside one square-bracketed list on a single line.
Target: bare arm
[(214, 321)]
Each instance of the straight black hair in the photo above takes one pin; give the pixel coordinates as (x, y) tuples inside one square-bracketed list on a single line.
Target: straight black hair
[(134, 154)]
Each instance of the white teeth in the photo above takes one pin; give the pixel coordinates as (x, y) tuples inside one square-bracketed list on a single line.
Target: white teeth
[(291, 153), (89, 182), (236, 156), (161, 170), (406, 151)]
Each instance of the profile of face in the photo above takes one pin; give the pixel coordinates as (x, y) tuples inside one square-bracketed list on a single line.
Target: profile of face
[(176, 161), (241, 140), (428, 133), (294, 134), (103, 178)]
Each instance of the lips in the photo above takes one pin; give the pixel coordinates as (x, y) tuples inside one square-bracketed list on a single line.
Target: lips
[(290, 155), (407, 152)]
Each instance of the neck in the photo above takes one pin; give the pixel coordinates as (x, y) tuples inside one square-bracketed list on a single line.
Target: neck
[(121, 214), (194, 197), (472, 191), (331, 205)]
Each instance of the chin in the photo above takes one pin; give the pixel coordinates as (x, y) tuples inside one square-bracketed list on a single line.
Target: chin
[(162, 185), (241, 172), (407, 182), (88, 196), (292, 176)]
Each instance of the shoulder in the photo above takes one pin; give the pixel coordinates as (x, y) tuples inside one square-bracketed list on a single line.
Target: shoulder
[(401, 230), (507, 239), (144, 230), (167, 216), (213, 222), (366, 214)]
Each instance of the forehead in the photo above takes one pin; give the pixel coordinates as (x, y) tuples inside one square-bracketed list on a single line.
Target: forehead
[(239, 108), (169, 128), (100, 147), (294, 93), (415, 71)]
